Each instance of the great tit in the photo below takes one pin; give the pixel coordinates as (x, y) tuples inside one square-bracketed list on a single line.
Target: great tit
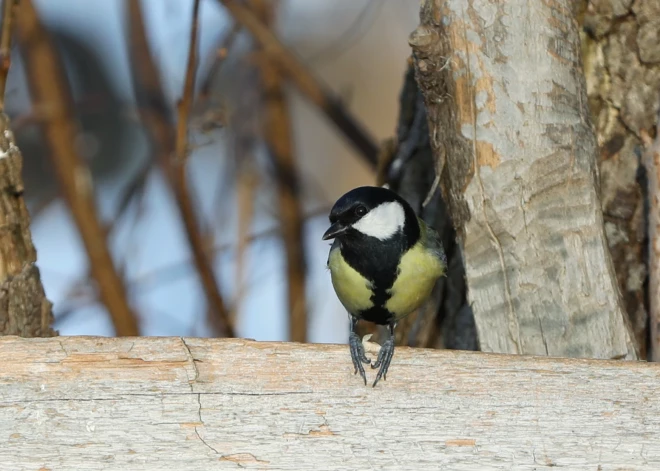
[(383, 263)]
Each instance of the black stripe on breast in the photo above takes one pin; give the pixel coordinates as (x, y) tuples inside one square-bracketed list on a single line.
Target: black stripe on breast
[(378, 263), (378, 315)]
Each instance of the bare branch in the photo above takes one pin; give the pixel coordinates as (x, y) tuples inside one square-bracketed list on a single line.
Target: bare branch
[(219, 56), (246, 189), (277, 132), (185, 104), (157, 118), (49, 90)]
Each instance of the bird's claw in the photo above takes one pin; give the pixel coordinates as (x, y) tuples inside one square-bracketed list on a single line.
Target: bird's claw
[(384, 359), (358, 355)]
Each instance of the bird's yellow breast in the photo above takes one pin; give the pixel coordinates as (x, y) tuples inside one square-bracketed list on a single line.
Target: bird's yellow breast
[(419, 269), (353, 290)]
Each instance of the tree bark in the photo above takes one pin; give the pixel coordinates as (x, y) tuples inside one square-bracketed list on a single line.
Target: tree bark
[(651, 163), (621, 54), (407, 165), (24, 308), (507, 109)]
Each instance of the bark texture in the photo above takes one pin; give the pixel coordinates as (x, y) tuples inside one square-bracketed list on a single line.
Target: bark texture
[(651, 162), (24, 308), (204, 404), (621, 53), (507, 109)]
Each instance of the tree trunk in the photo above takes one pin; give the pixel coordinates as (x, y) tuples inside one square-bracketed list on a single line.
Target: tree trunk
[(507, 110), (621, 53), (24, 308), (406, 165)]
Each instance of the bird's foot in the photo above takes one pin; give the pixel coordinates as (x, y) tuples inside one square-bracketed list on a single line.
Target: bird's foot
[(357, 355), (384, 359)]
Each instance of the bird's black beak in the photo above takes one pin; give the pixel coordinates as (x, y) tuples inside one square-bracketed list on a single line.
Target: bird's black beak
[(334, 230)]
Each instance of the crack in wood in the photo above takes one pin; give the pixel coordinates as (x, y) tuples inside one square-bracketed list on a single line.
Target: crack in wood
[(201, 421), (66, 354), (205, 442), (191, 360)]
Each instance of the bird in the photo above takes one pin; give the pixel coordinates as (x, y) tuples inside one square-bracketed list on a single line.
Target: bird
[(384, 262)]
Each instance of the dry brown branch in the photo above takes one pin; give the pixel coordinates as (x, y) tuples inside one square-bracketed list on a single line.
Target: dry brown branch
[(187, 96), (277, 133), (210, 113), (651, 161), (134, 190), (51, 94), (156, 117), (8, 15), (247, 185), (304, 80), (191, 404), (219, 55)]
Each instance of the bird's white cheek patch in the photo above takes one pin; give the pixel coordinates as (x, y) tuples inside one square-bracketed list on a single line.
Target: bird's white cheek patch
[(383, 221)]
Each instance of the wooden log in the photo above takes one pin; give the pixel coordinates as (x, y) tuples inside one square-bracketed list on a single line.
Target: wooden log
[(198, 404)]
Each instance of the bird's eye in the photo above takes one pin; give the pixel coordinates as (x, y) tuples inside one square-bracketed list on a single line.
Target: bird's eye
[(360, 211)]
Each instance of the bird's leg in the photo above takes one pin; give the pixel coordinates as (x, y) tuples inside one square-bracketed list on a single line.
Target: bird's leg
[(357, 351), (385, 355)]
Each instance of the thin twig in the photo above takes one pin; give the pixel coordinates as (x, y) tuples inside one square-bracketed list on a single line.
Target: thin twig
[(245, 124), (134, 189), (304, 80), (220, 54), (211, 113), (49, 90), (8, 15), (185, 104), (277, 132), (246, 192), (157, 118)]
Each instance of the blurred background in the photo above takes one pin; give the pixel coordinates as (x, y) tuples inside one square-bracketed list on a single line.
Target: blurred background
[(357, 48)]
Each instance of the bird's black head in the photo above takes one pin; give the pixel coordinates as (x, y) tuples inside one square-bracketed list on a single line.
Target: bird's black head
[(372, 212)]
